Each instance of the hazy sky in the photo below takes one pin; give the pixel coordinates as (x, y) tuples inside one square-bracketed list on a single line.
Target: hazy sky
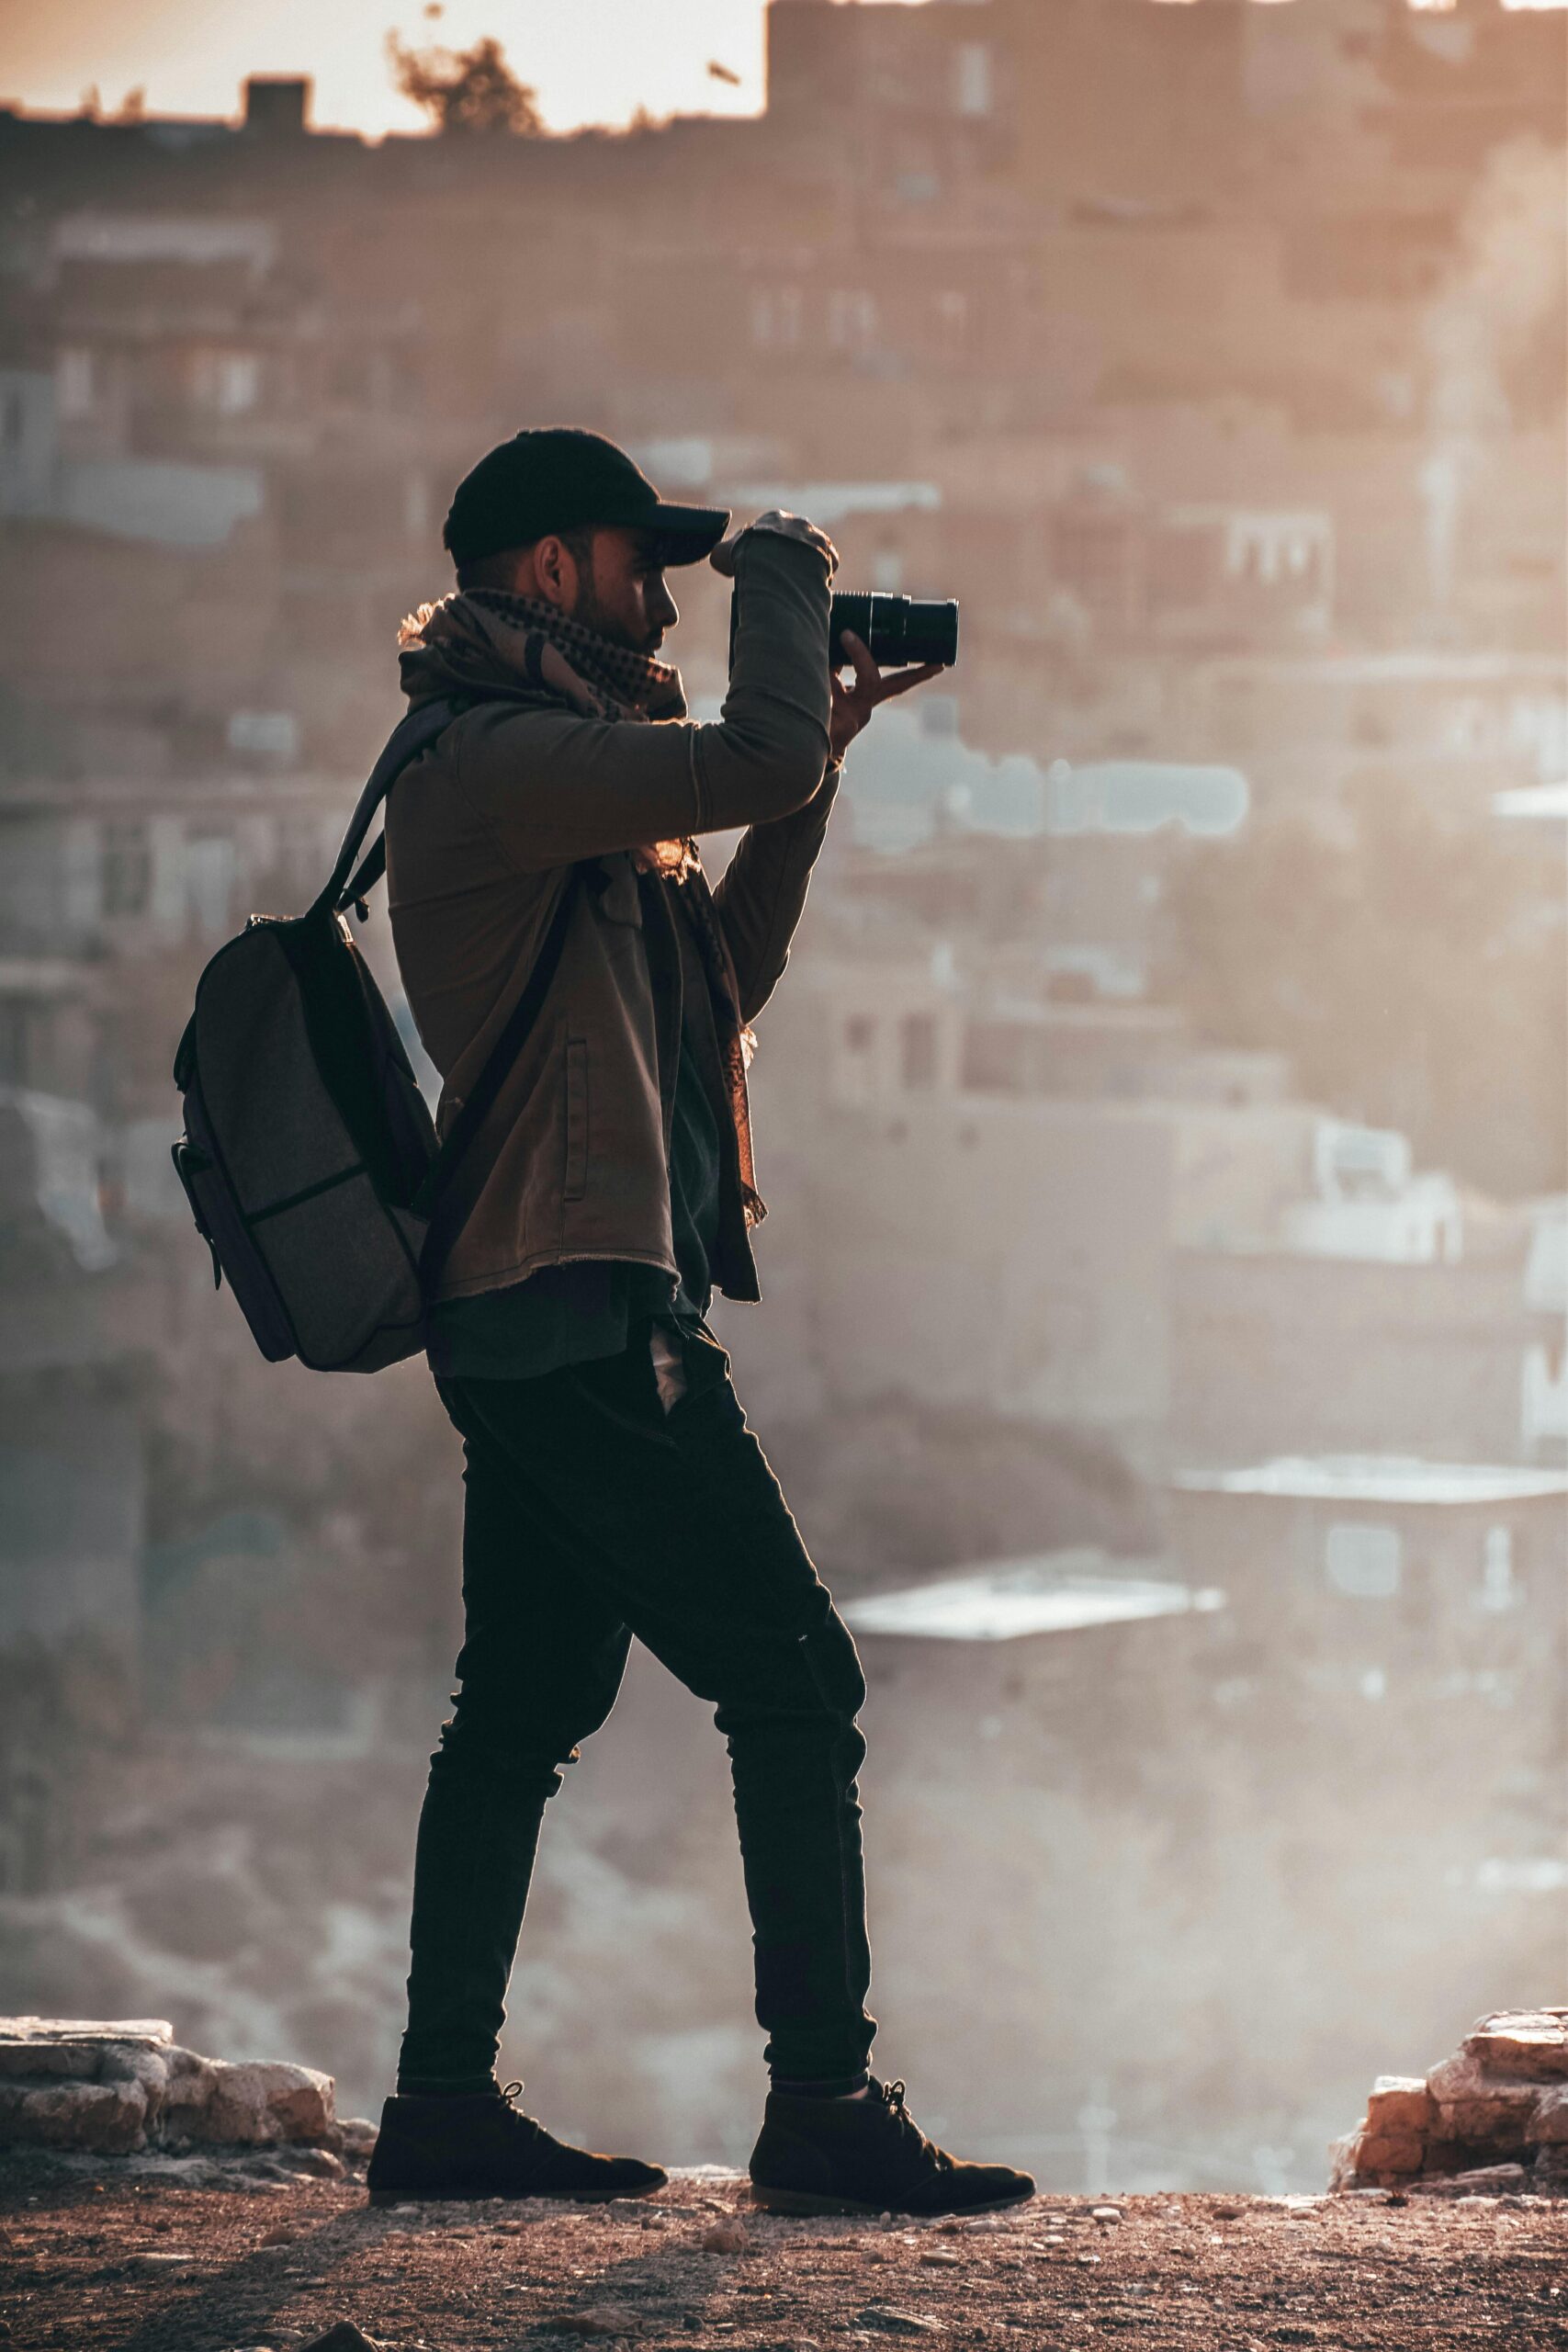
[(591, 60)]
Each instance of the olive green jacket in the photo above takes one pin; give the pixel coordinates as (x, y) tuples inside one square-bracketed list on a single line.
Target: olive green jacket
[(483, 832)]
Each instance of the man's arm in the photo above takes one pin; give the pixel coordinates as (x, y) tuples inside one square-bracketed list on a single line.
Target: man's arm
[(760, 899), (555, 787)]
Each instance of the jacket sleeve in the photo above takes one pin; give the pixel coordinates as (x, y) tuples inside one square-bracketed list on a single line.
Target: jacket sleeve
[(555, 787), (761, 897)]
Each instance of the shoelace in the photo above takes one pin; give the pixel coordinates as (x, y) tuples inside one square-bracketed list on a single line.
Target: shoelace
[(894, 2101), (511, 2093)]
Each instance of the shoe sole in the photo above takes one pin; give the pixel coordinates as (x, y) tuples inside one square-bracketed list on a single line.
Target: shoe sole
[(800, 2201), (513, 2196)]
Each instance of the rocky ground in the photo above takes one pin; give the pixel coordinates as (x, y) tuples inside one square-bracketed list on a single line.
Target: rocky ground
[(182, 2256)]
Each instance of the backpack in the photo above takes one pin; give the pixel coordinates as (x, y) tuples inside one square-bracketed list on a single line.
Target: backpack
[(309, 1157)]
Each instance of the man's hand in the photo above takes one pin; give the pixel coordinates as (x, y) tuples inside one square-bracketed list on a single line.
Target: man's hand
[(781, 524), (852, 704)]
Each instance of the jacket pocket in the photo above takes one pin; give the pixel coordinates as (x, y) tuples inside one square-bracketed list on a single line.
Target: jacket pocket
[(576, 1118)]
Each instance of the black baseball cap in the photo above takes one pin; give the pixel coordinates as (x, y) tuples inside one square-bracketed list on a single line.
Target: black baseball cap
[(561, 478)]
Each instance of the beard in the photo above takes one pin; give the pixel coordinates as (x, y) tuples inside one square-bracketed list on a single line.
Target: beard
[(591, 611)]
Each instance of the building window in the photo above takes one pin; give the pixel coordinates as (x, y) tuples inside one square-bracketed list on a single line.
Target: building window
[(226, 383), (776, 318), (916, 1051), (209, 880), (75, 384), (1362, 1560), (952, 320), (127, 868), (1499, 1580), (851, 320), (974, 86)]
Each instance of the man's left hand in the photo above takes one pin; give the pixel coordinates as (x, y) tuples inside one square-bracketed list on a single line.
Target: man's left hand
[(853, 704)]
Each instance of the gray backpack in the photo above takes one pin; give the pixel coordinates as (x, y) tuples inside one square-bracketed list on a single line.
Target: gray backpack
[(309, 1157)]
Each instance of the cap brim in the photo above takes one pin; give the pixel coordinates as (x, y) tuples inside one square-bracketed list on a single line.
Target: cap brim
[(686, 534)]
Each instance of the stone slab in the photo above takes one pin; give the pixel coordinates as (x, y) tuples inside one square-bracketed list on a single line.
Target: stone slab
[(107, 2117), (1399, 2103), (1501, 2117), (1389, 2152), (47, 2030), (1528, 2045)]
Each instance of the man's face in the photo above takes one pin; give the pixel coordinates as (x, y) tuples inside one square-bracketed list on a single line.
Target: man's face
[(621, 591)]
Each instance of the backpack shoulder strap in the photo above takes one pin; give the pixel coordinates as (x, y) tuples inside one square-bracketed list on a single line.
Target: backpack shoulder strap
[(413, 733)]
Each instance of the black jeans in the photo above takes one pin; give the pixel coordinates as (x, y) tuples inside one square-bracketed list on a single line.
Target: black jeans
[(591, 1515)]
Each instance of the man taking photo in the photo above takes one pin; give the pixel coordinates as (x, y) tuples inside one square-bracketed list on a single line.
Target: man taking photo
[(613, 1487)]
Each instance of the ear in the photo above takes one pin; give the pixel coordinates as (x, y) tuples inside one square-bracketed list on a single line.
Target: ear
[(555, 573)]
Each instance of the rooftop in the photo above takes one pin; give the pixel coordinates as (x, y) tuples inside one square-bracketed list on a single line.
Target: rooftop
[(1059, 1592), (1378, 1478)]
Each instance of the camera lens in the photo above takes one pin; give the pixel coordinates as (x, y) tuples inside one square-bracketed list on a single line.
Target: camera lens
[(898, 629)]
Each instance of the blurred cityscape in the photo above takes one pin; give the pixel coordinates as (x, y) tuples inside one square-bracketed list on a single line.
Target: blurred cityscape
[(1163, 1121)]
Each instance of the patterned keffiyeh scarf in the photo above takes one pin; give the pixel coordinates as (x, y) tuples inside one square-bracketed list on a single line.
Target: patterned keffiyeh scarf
[(489, 644)]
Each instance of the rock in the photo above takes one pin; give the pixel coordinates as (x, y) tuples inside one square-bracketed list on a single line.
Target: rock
[(342, 2337), (1105, 2212), (1486, 2180), (357, 2135), (1500, 2117), (131, 2062), (186, 2094), (1399, 2103), (35, 2060), (1503, 2094), (1457, 2078), (318, 2163), (899, 2322), (105, 2119), (117, 2087), (259, 2106), (1389, 2152), (1521, 2044), (74, 2040), (1548, 2126), (723, 2237)]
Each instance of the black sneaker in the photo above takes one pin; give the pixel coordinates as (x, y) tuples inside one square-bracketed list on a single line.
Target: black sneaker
[(867, 2155), (480, 2144)]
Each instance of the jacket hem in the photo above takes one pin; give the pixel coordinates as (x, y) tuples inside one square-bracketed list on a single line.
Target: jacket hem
[(508, 1277)]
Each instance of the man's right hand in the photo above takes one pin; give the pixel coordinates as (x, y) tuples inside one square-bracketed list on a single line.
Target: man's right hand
[(783, 526)]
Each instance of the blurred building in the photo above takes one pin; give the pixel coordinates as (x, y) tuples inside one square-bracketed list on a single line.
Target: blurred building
[(1385, 1564)]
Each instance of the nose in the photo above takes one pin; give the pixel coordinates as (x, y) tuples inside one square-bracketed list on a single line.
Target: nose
[(663, 611)]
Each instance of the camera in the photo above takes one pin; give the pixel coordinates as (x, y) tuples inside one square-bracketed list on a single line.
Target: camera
[(895, 629)]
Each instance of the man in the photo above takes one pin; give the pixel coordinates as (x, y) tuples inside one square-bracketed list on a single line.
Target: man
[(613, 1488)]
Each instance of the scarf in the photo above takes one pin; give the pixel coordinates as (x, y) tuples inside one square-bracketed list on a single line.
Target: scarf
[(487, 642), (489, 645)]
